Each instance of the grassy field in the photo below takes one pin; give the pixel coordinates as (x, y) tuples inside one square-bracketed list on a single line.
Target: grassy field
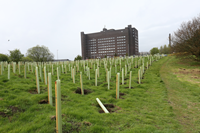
[(166, 101), (182, 80)]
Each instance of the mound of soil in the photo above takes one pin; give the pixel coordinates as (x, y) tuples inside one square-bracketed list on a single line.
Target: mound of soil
[(110, 107), (121, 83), (86, 91), (43, 101), (120, 95), (33, 91), (128, 87)]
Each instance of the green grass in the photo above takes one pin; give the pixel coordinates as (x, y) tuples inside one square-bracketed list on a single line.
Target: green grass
[(183, 94), (144, 108)]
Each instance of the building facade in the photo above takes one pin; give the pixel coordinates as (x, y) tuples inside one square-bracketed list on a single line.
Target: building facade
[(110, 43)]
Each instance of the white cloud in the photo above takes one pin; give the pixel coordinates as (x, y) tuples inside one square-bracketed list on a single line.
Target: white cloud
[(57, 24)]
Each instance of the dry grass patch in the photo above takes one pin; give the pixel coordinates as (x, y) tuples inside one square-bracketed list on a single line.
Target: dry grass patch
[(189, 75)]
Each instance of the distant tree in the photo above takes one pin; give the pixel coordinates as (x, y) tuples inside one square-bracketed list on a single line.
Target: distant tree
[(4, 57), (78, 57), (105, 56), (40, 54), (161, 50), (27, 59), (16, 55), (115, 54), (186, 40), (154, 51), (165, 49)]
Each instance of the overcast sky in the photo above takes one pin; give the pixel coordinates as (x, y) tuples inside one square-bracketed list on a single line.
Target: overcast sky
[(57, 24)]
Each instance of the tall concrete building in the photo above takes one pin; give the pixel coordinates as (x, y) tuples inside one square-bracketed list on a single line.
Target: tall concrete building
[(110, 43)]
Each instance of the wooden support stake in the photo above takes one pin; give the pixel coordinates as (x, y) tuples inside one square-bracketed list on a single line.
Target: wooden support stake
[(58, 107), (130, 79), (81, 81)]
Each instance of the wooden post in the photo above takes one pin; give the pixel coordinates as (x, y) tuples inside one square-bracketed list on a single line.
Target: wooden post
[(37, 80), (117, 85), (50, 90), (81, 81), (58, 107), (130, 79)]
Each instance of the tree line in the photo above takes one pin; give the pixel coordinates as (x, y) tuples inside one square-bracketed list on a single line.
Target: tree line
[(37, 54), (166, 49), (186, 40)]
